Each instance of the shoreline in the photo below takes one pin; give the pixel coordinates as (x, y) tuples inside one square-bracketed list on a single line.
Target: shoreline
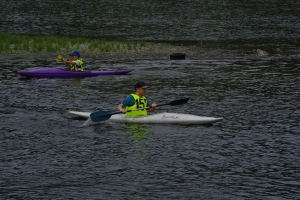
[(155, 52)]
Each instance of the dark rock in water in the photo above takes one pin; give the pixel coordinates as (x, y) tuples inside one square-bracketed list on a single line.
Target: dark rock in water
[(177, 56)]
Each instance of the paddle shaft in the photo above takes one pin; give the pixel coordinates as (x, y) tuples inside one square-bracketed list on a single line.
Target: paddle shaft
[(105, 115), (172, 103), (119, 112), (163, 104)]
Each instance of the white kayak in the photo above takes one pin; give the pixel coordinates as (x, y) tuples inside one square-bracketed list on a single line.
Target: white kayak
[(158, 118)]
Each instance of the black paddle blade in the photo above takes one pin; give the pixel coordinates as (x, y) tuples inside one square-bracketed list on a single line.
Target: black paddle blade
[(100, 116), (178, 102)]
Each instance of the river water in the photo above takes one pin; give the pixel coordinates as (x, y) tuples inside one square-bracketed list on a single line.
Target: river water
[(47, 153)]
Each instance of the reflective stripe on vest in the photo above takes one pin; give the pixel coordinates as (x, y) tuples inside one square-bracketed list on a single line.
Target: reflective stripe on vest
[(140, 102)]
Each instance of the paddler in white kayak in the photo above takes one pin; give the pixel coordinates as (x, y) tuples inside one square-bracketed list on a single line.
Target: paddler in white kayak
[(137, 101)]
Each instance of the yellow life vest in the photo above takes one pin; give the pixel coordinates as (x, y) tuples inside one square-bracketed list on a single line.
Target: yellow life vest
[(140, 102), (74, 67)]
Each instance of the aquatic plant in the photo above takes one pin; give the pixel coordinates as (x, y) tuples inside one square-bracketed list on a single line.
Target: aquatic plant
[(12, 43)]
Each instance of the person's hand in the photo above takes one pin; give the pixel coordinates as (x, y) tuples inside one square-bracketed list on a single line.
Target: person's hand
[(123, 110), (154, 105)]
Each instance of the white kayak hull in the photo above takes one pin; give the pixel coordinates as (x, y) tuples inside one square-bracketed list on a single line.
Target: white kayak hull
[(158, 118)]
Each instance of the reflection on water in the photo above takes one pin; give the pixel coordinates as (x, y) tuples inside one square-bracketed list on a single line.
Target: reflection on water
[(137, 132), (78, 83), (137, 136)]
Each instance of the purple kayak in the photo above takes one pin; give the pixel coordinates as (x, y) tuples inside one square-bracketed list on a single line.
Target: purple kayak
[(66, 73)]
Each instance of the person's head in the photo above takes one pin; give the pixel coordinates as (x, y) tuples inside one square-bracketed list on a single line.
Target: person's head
[(140, 88), (75, 54)]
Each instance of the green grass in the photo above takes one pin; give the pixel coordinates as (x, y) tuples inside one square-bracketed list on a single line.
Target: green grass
[(12, 43)]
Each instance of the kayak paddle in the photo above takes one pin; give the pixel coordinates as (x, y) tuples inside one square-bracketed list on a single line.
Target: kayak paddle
[(105, 115), (59, 58)]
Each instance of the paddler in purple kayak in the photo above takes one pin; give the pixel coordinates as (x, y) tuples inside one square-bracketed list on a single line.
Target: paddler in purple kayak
[(75, 64)]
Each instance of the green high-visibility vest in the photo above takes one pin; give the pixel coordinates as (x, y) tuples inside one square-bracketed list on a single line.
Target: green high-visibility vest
[(140, 102), (74, 67)]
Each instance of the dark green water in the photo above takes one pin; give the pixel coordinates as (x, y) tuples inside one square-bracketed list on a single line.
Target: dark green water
[(253, 153)]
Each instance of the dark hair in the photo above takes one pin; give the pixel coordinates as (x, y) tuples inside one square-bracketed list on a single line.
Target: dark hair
[(140, 84)]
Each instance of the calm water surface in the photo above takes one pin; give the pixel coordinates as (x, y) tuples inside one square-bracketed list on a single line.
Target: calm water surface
[(253, 153)]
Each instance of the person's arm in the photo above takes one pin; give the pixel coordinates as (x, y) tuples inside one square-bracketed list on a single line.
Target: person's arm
[(129, 101), (67, 61), (70, 63), (121, 108)]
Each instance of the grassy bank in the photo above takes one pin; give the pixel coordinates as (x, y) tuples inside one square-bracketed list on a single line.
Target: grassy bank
[(11, 44), (32, 45)]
